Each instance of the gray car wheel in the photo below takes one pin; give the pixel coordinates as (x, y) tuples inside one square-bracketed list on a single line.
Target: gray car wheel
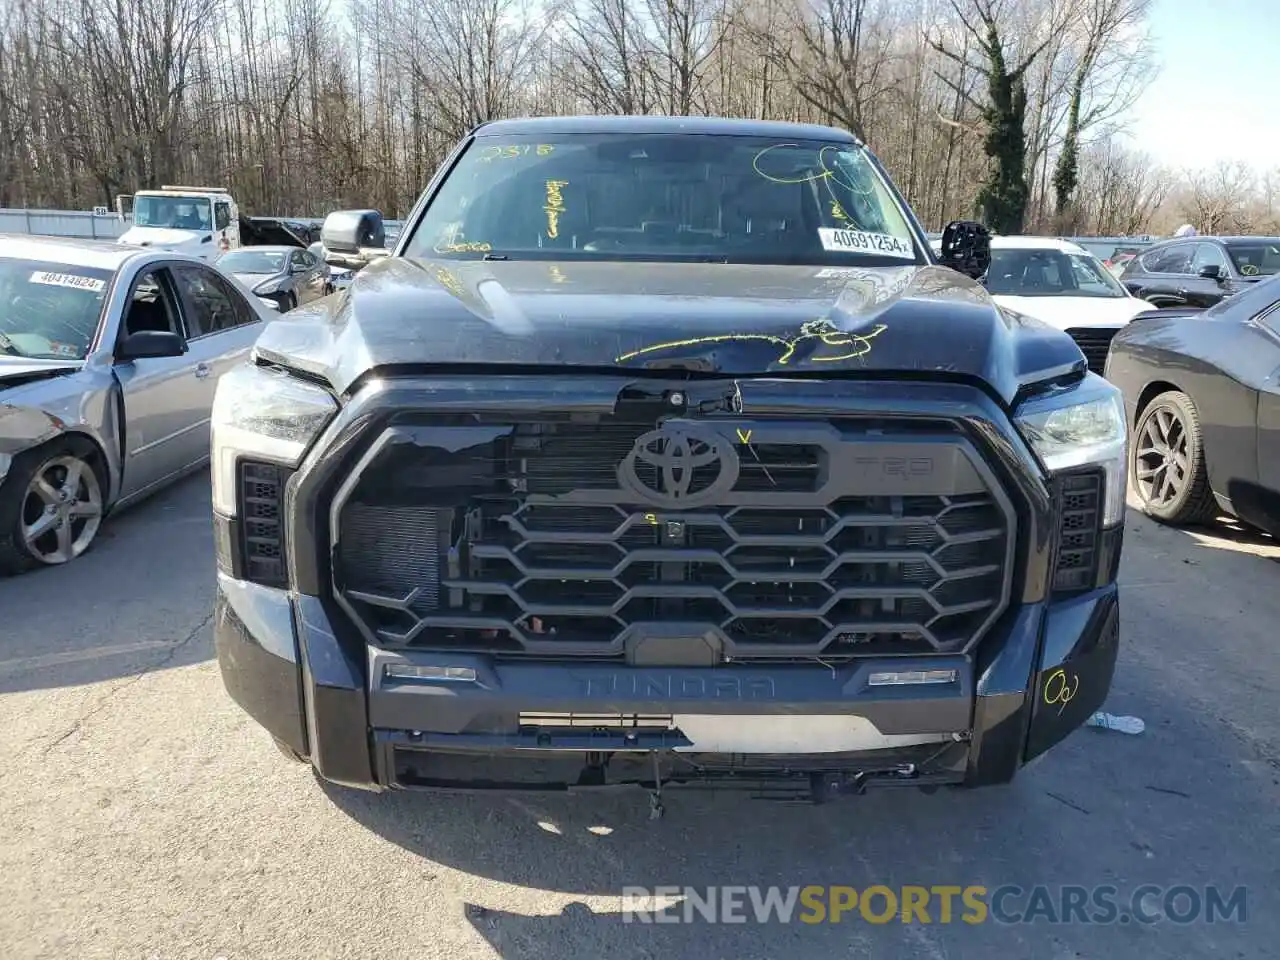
[(51, 507), (1167, 464)]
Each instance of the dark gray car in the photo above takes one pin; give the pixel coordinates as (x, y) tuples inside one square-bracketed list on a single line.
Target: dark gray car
[(288, 275)]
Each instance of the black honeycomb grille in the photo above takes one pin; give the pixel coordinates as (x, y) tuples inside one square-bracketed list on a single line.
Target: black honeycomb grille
[(553, 559)]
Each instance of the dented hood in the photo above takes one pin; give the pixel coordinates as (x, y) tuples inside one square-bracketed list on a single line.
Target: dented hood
[(734, 319), (15, 371)]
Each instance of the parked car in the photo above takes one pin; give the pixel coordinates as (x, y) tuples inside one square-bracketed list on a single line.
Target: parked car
[(339, 277), (1203, 400), (109, 355), (1200, 271), (663, 450), (288, 275), (1064, 285), (1114, 252)]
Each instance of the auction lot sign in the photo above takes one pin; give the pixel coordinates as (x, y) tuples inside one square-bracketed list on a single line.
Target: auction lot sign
[(937, 904)]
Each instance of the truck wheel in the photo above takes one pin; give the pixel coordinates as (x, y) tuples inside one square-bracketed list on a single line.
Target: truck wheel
[(51, 506), (1166, 462)]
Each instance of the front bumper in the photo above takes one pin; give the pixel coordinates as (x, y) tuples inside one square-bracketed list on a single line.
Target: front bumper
[(1038, 676)]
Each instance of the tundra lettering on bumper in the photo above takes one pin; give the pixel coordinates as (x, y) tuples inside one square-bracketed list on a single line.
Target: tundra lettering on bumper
[(385, 613)]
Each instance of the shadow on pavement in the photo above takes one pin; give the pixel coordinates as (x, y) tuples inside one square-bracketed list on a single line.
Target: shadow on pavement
[(141, 599), (1168, 807)]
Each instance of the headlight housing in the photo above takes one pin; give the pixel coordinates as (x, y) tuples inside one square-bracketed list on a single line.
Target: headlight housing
[(262, 414), (1083, 427), (268, 286)]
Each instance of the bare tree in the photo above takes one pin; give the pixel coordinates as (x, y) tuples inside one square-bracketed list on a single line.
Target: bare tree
[(1111, 49), (1004, 196)]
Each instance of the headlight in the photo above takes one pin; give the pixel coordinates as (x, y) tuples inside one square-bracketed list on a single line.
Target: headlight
[(262, 414), (1083, 427), (268, 286)]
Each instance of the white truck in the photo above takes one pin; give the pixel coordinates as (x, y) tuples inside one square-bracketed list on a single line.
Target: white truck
[(203, 221)]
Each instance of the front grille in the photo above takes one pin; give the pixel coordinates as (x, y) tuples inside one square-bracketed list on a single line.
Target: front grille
[(1094, 343), (841, 539), (1080, 531), (260, 502)]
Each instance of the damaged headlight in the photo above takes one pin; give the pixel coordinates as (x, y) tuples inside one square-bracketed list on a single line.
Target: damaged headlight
[(1079, 428), (262, 414)]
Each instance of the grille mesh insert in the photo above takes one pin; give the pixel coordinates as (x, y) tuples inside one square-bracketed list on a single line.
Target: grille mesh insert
[(553, 557)]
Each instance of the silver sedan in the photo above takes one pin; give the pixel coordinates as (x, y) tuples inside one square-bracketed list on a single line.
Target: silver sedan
[(290, 276), (109, 356)]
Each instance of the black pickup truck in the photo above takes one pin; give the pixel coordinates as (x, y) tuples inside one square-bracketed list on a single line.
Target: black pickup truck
[(665, 451)]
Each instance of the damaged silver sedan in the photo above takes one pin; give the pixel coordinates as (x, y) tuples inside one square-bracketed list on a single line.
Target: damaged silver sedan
[(109, 356)]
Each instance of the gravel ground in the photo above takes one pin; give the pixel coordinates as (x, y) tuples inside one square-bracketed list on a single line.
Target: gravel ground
[(146, 817)]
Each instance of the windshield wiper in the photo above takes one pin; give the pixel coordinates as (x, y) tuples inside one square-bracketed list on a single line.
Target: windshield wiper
[(8, 347)]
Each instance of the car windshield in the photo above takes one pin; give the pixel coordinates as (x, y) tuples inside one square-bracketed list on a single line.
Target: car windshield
[(252, 261), (1257, 258), (1049, 273), (666, 197), (178, 213), (49, 310)]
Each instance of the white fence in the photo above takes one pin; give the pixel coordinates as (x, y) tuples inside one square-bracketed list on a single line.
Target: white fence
[(88, 225)]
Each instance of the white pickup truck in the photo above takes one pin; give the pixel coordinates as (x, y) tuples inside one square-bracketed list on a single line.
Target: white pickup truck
[(203, 221)]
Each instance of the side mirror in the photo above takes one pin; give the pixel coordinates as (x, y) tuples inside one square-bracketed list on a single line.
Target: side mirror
[(352, 238), (966, 248), (148, 344), (1211, 271)]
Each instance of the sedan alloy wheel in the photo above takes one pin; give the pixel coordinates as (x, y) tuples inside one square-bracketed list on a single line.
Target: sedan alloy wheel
[(61, 510)]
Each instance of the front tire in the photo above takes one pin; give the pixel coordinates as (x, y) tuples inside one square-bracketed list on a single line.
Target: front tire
[(287, 302), (51, 506), (1167, 463)]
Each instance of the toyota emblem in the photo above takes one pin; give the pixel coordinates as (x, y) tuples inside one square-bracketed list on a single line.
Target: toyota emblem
[(679, 466)]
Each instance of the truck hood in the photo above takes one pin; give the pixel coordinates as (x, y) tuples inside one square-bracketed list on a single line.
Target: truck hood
[(1073, 313), (734, 319), (165, 238)]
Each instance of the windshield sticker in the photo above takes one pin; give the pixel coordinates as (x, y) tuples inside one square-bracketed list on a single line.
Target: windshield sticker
[(69, 280), (1248, 270), (837, 211), (63, 350), (477, 247), (515, 151), (555, 206), (858, 241), (815, 335)]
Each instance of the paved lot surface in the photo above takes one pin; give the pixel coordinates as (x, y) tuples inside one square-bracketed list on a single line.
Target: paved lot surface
[(145, 817)]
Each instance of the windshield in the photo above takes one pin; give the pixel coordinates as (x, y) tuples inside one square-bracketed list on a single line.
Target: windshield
[(1050, 273), (666, 197), (179, 213), (1258, 258), (49, 310), (252, 261)]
